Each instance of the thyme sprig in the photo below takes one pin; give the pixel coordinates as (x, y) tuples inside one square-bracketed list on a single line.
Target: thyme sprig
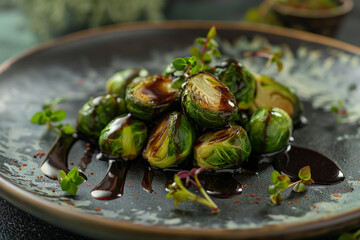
[(273, 57), (179, 192), (282, 182)]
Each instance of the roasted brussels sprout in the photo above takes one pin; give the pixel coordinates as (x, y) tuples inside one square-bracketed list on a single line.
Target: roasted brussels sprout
[(208, 101), (269, 130), (225, 148), (118, 82), (97, 113), (171, 141), (150, 98), (123, 137), (239, 80), (270, 93)]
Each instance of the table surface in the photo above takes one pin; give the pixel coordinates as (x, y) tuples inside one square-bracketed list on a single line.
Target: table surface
[(16, 37)]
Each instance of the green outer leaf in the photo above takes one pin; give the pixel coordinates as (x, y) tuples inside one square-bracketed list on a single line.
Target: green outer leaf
[(79, 180), (58, 115), (347, 236), (47, 113), (38, 118), (73, 173), (276, 198), (200, 40), (281, 185), (195, 52), (305, 173), (179, 64), (299, 187), (65, 184)]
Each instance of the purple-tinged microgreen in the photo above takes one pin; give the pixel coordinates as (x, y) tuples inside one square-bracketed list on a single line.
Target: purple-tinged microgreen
[(272, 57), (339, 111), (282, 182), (50, 117), (179, 192), (69, 182)]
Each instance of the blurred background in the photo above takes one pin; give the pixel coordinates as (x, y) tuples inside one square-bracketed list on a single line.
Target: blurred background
[(27, 23)]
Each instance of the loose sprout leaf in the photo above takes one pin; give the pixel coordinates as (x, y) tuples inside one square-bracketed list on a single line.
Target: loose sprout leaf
[(299, 187), (38, 118), (68, 129), (52, 103), (179, 64), (274, 176), (305, 173), (200, 40), (195, 52), (69, 182), (272, 189), (212, 32), (58, 116)]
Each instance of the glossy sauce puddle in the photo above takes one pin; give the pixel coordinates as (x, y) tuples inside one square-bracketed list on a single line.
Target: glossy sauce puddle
[(220, 184)]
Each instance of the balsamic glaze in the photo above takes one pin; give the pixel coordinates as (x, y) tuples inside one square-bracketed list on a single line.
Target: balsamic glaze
[(221, 184), (112, 186)]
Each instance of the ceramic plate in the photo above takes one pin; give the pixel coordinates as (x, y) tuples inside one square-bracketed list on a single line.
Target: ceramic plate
[(321, 70)]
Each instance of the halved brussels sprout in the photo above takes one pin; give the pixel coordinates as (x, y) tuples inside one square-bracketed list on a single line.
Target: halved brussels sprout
[(171, 141), (150, 98), (239, 80), (270, 93), (119, 81), (225, 148), (269, 130), (208, 101), (123, 137), (97, 113)]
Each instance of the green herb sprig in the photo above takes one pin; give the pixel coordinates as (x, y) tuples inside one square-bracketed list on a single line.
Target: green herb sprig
[(281, 182), (179, 192), (49, 117), (70, 182), (339, 111), (273, 57)]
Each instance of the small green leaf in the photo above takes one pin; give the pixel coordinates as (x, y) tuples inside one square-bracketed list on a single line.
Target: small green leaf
[(195, 52), (216, 53), (281, 185), (47, 113), (299, 187), (79, 180), (73, 173), (38, 118), (179, 64), (72, 189), (200, 41), (65, 184), (207, 57), (272, 189), (274, 176), (276, 198), (347, 236), (305, 173), (212, 32), (62, 174), (212, 44), (68, 129), (58, 116)]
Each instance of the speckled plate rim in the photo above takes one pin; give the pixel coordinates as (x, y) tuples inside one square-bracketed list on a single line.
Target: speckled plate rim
[(97, 226)]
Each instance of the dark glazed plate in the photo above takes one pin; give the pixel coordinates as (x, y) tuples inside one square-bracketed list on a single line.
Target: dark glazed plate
[(321, 70)]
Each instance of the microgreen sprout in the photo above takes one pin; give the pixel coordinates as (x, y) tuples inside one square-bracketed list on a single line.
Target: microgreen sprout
[(49, 117), (209, 48), (339, 110), (273, 57), (281, 182), (70, 182), (179, 192), (350, 236)]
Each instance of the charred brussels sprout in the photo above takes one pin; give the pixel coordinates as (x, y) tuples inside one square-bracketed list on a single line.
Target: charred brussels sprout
[(269, 130), (270, 93), (123, 137), (118, 82), (208, 101), (239, 80), (171, 141), (226, 148), (97, 113), (152, 97)]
